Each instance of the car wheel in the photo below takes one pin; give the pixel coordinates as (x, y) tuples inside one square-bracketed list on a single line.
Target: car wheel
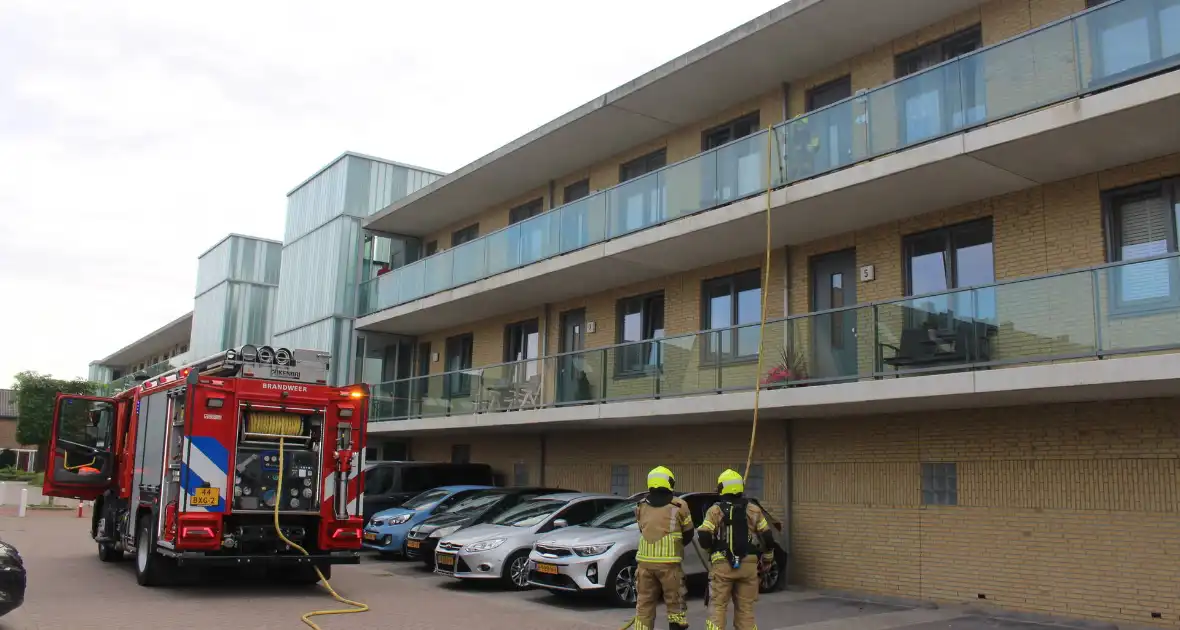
[(107, 552), (516, 570), (775, 576), (151, 568), (621, 582)]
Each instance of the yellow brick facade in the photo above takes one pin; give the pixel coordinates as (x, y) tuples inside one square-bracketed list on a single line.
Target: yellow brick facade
[(1070, 510), (1065, 509)]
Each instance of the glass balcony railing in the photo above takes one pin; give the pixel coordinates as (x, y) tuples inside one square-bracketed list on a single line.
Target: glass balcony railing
[(155, 369), (1120, 41), (1124, 308)]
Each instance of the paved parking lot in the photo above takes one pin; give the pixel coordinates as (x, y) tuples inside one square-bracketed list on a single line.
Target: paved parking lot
[(70, 588)]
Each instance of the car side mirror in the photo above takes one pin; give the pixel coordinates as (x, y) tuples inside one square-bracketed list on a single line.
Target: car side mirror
[(560, 523)]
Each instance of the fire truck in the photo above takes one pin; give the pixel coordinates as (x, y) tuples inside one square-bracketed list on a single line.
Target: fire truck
[(184, 469)]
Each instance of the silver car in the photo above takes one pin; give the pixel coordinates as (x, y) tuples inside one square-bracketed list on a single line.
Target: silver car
[(600, 557), (499, 549)]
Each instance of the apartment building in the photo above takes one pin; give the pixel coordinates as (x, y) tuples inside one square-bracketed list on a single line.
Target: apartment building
[(164, 346), (973, 295)]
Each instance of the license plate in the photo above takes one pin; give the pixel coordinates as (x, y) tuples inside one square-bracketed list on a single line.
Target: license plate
[(205, 497), (413, 544), (370, 536), (550, 569), (445, 559)]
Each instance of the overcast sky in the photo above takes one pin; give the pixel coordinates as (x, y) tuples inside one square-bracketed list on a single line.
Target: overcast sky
[(134, 135)]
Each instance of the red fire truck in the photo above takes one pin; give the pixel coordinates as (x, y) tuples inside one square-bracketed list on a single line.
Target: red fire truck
[(184, 468)]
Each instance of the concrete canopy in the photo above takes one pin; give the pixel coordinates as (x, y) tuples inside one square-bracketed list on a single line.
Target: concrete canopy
[(790, 42), (174, 333)]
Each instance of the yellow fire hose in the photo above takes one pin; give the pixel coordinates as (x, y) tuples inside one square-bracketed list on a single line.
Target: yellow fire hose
[(358, 606), (770, 134)]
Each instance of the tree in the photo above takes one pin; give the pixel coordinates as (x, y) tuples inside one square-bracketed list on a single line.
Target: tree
[(35, 397)]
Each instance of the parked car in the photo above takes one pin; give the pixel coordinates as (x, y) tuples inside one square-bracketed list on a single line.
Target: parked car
[(12, 579), (600, 557), (499, 549), (386, 531), (478, 508), (390, 484)]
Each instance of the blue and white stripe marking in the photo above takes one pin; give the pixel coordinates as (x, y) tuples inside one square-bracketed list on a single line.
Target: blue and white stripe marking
[(207, 466)]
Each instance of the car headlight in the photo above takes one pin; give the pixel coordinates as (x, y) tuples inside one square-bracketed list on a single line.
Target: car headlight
[(593, 550), (398, 520), (444, 531), (484, 545), (376, 522)]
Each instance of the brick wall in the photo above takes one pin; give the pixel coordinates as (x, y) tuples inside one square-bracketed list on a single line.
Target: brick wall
[(8, 433), (1064, 509)]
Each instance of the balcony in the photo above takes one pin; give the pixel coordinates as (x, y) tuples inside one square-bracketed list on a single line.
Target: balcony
[(868, 354), (854, 156), (155, 369)]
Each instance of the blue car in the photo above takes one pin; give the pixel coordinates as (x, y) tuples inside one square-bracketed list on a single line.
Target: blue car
[(386, 531)]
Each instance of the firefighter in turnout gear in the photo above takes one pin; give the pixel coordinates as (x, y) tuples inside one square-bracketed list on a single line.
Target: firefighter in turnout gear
[(665, 527), (736, 533)]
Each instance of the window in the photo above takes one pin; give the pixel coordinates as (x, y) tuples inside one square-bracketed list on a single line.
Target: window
[(940, 484), (459, 351), (729, 131), (469, 233), (1130, 39), (728, 302), (378, 480), (951, 258), (829, 93), (520, 474), (460, 453), (937, 52), (640, 318), (522, 341), (432, 248), (643, 165), (1141, 223), (942, 100), (579, 513), (576, 191), (620, 480), (526, 211)]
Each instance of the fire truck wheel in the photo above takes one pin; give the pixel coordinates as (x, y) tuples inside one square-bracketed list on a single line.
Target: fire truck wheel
[(107, 552), (151, 569)]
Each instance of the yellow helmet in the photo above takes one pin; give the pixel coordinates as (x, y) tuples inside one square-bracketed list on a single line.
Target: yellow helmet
[(730, 482), (661, 477)]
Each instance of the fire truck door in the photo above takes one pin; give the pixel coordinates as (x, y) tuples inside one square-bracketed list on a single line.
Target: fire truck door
[(80, 463)]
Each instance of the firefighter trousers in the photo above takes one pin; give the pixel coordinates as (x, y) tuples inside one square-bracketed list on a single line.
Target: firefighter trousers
[(740, 585), (655, 582)]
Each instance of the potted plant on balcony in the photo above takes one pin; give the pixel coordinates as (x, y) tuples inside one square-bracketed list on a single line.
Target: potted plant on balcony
[(792, 367)]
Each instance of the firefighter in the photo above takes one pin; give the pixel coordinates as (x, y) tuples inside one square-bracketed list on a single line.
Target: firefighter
[(665, 527), (736, 532)]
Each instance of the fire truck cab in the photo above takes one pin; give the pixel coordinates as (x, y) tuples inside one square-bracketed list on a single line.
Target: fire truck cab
[(184, 469)]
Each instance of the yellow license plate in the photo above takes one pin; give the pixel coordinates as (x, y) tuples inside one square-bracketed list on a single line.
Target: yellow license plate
[(413, 544), (205, 497), (370, 536), (551, 569), (445, 559)]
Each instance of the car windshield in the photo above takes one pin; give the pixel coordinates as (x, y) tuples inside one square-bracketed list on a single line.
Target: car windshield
[(617, 517), (529, 513), (476, 502), (426, 498)]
